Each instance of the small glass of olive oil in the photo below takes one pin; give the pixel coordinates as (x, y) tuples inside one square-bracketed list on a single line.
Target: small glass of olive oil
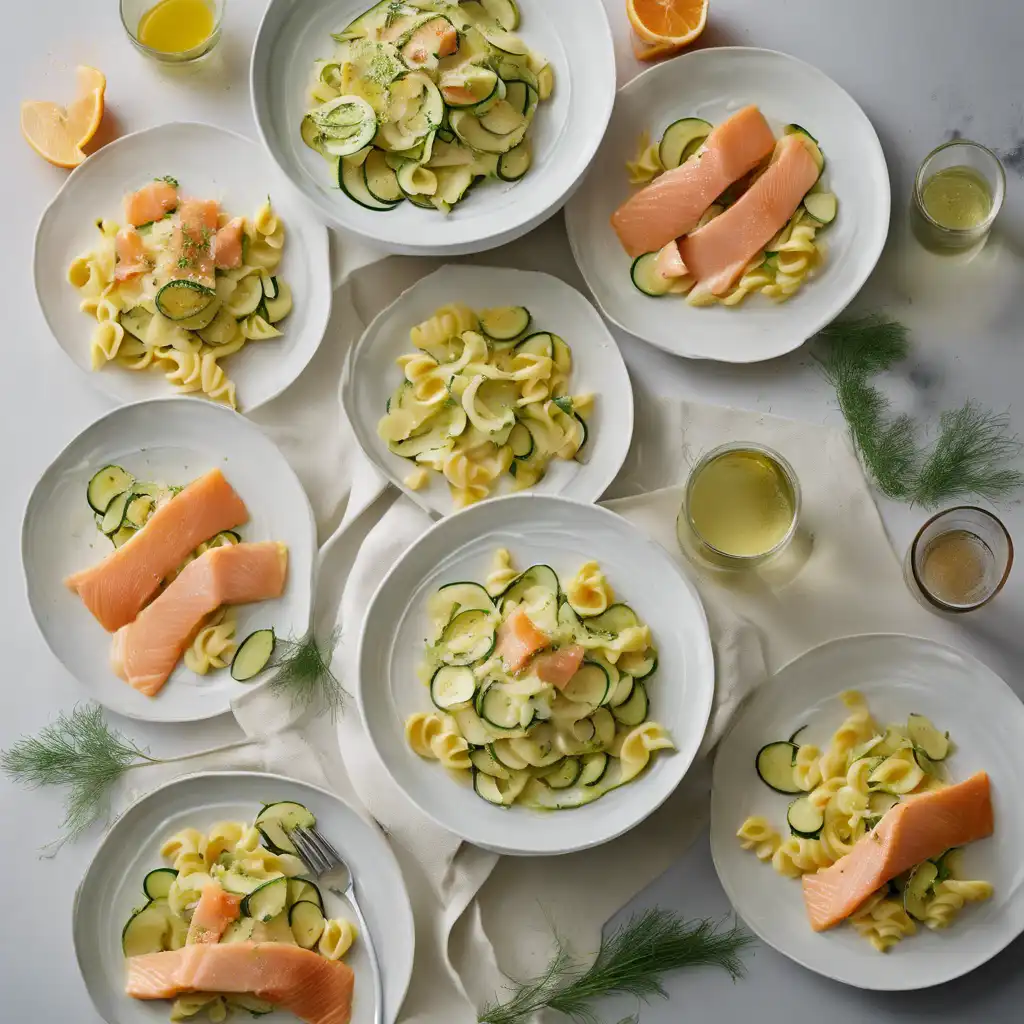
[(958, 192), (959, 560), (173, 31), (741, 506)]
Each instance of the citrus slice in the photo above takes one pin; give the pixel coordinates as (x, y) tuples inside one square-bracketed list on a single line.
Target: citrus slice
[(672, 23), (58, 135)]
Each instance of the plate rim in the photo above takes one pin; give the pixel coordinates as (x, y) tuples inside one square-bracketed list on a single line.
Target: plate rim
[(878, 152), (328, 214), (348, 383), (117, 410), (705, 662), (408, 920), (854, 639), (97, 380)]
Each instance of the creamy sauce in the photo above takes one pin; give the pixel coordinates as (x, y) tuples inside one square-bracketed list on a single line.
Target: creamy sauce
[(176, 26)]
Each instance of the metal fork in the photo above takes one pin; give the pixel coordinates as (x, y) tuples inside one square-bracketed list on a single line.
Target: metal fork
[(336, 876)]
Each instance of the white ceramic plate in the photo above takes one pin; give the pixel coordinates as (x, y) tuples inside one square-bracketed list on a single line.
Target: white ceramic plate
[(171, 440), (563, 534), (897, 675), (576, 39), (112, 886), (211, 163), (714, 84), (371, 375)]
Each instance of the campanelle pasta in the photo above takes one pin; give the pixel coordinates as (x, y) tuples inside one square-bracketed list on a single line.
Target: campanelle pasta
[(484, 399), (535, 701), (268, 901), (848, 787), (181, 287)]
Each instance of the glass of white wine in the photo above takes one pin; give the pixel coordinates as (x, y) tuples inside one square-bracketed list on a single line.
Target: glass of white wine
[(958, 192)]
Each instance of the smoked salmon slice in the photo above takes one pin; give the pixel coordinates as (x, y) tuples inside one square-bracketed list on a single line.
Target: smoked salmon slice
[(152, 202), (215, 910), (717, 253), (675, 201), (558, 667), (127, 578), (227, 245), (145, 651), (919, 828), (131, 254), (315, 989), (192, 242), (519, 639)]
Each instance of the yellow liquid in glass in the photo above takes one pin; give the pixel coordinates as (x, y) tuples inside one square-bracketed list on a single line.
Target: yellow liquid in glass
[(176, 26), (957, 198), (742, 504)]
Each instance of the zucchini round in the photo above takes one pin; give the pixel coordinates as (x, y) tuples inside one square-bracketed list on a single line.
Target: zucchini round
[(774, 763), (681, 140), (276, 819), (146, 930), (267, 900), (804, 819), (589, 685), (306, 920), (514, 164), (185, 301), (565, 774), (634, 710), (253, 654), (646, 278), (105, 485), (468, 638), (505, 323), (928, 739), (452, 686), (594, 768), (157, 883)]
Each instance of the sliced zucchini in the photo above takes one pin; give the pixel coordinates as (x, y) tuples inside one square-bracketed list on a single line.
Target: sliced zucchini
[(497, 708), (504, 12), (804, 819), (266, 901), (138, 510), (774, 764), (276, 819), (468, 638), (622, 691), (863, 749), (135, 321), (795, 129), (452, 184), (116, 514), (613, 620), (810, 142), (107, 484), (638, 664), (518, 94), (535, 576), (246, 298), (237, 881), (380, 179), (300, 889), (452, 687), (565, 774), (647, 278), (345, 125), (157, 883), (353, 184), (927, 738), (184, 301), (147, 929), (472, 728), (461, 597), (927, 765), (681, 140), (222, 328), (918, 889), (471, 86), (421, 48), (594, 767), (949, 864), (239, 931), (121, 537), (880, 803), (306, 920), (486, 786), (253, 654), (821, 206), (473, 133), (501, 40), (540, 343), (502, 119), (483, 760), (253, 1006), (634, 710), (590, 685), (520, 440), (514, 164), (505, 322)]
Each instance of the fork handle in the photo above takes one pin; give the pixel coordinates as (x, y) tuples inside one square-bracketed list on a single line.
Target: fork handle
[(364, 933)]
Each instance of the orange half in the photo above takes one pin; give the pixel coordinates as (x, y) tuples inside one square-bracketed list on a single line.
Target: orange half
[(670, 24), (58, 135)]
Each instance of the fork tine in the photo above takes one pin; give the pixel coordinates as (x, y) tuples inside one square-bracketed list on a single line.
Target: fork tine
[(316, 850), (307, 851), (325, 845)]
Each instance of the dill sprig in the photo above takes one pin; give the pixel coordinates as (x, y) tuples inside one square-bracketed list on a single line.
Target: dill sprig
[(631, 960), (304, 671), (81, 751), (969, 455)]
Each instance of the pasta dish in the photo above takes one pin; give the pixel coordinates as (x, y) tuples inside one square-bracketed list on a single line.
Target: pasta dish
[(181, 286), (539, 687), (483, 397), (422, 98)]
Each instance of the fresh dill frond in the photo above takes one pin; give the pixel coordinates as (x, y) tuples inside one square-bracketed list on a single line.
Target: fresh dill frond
[(632, 960), (863, 346), (304, 671), (969, 457), (170, 181), (78, 750)]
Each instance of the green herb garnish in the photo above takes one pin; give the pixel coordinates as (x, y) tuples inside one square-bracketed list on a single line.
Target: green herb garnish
[(304, 671), (631, 960), (970, 453), (170, 181)]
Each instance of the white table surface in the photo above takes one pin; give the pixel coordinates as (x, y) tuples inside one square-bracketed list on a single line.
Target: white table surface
[(922, 69)]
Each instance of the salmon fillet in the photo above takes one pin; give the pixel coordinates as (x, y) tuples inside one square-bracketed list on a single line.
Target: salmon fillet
[(675, 201), (116, 589), (131, 254), (150, 203), (192, 242), (215, 910), (227, 245), (717, 253), (145, 651), (518, 640), (558, 667), (316, 990), (919, 828)]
